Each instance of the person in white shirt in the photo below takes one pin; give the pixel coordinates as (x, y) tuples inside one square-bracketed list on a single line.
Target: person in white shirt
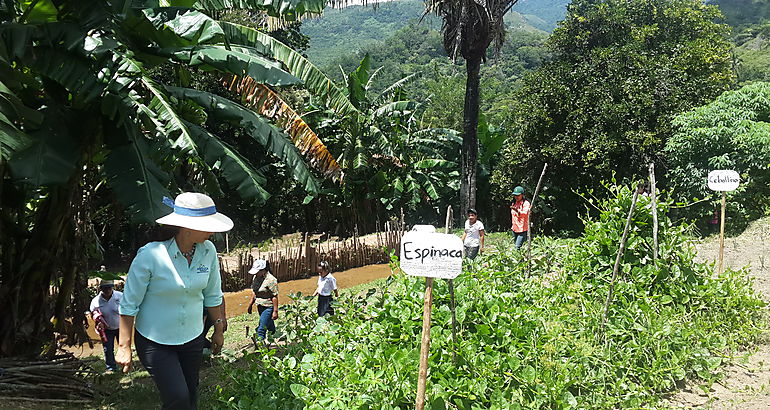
[(326, 285), (107, 303), (473, 237)]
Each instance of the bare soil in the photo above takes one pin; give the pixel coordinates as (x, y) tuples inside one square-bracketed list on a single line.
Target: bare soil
[(746, 381)]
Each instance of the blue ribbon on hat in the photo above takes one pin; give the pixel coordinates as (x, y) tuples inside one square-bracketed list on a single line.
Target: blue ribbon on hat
[(180, 210)]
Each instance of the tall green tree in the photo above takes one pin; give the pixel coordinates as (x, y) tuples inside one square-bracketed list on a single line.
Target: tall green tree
[(732, 132), (621, 70), (80, 109), (469, 27)]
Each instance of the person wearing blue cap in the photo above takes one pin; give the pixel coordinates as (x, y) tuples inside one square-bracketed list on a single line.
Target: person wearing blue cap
[(167, 286)]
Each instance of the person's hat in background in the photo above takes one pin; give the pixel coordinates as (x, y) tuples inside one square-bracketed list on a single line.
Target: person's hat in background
[(195, 211), (106, 283), (518, 190), (258, 265)]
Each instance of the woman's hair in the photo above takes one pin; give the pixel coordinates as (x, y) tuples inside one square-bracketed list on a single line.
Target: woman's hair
[(162, 233), (324, 265)]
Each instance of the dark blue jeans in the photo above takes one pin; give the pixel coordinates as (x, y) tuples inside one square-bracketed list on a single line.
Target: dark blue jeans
[(265, 321), (520, 238), (174, 369), (109, 348), (325, 305)]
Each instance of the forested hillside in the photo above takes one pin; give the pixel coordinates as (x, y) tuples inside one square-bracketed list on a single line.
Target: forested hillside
[(750, 20), (342, 31)]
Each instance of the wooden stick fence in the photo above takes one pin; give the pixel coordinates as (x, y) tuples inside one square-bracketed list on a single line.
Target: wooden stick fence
[(298, 262)]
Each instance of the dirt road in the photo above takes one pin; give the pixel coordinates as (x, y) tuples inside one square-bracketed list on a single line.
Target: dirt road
[(746, 383)]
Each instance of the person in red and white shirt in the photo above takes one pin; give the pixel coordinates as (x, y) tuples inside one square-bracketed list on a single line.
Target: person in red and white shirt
[(519, 216)]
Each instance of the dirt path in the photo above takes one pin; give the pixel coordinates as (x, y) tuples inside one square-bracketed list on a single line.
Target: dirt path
[(746, 384), (237, 302)]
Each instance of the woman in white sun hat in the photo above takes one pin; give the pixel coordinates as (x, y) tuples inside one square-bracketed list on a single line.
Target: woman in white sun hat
[(167, 286)]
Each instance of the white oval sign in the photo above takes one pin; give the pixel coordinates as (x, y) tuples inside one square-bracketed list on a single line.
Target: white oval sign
[(723, 180), (432, 255)]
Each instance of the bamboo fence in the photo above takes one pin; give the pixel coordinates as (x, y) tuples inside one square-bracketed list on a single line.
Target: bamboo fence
[(299, 262)]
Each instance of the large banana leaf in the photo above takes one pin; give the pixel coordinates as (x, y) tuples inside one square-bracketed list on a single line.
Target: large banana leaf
[(289, 10), (174, 27), (232, 60), (174, 126), (133, 175), (315, 81), (395, 108), (273, 139), (236, 170), (52, 155), (270, 105)]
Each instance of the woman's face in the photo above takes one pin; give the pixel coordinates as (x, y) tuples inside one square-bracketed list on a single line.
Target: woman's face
[(262, 272), (518, 197), (321, 271), (195, 236)]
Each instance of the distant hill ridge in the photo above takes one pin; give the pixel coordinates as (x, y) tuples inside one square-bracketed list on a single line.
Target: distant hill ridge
[(347, 30)]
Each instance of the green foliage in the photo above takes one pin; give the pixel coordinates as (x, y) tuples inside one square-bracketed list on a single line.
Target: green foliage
[(753, 53), (743, 12), (603, 105), (733, 132), (523, 342)]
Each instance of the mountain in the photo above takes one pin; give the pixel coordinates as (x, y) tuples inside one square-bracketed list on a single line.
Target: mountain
[(740, 13), (351, 29)]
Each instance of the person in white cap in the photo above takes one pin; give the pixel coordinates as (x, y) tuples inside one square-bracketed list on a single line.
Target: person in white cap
[(167, 286), (106, 304), (265, 288)]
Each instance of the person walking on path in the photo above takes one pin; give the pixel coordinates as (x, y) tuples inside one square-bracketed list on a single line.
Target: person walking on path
[(167, 286), (473, 237), (265, 295), (106, 304), (519, 216), (326, 285)]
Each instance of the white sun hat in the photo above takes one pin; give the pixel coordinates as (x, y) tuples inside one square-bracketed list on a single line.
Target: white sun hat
[(258, 265), (195, 211)]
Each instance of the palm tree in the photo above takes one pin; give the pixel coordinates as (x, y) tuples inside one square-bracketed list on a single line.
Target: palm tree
[(80, 109), (469, 27)]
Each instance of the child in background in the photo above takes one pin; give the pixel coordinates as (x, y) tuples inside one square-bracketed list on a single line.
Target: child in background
[(473, 237), (326, 285)]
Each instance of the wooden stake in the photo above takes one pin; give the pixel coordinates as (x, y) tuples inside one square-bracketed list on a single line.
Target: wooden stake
[(621, 249), (654, 203), (529, 220), (722, 235), (452, 304), (422, 378), (227, 242)]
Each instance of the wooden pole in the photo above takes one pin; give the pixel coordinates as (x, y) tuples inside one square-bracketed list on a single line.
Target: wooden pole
[(621, 249), (529, 220), (722, 234), (227, 242), (452, 304), (422, 378), (654, 204)]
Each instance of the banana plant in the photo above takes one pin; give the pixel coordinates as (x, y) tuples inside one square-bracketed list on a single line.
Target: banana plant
[(385, 153), (81, 107)]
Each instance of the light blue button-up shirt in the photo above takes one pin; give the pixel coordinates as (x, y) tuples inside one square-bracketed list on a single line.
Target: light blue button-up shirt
[(167, 295)]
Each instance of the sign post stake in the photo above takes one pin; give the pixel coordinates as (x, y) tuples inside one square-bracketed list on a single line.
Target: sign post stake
[(427, 253), (452, 293), (654, 203), (723, 180), (722, 234), (422, 378), (529, 220)]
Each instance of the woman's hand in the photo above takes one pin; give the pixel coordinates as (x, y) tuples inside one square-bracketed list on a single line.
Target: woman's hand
[(275, 314), (123, 358), (217, 340)]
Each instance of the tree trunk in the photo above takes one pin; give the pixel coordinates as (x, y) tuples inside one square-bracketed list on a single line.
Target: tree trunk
[(25, 324), (470, 149)]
